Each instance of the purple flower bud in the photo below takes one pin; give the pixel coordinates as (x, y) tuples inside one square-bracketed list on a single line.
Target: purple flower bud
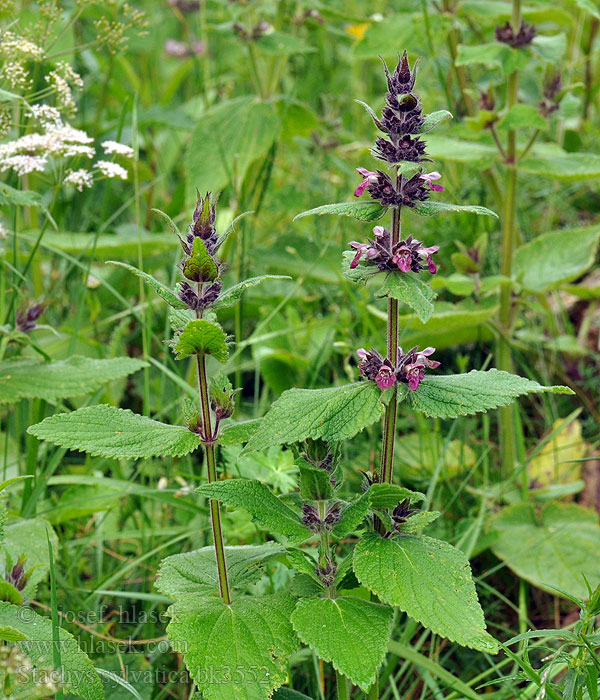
[(27, 320), (188, 296)]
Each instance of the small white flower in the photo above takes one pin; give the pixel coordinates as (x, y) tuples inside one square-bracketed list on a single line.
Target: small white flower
[(80, 178), (23, 165), (119, 149), (111, 170), (47, 116), (12, 45)]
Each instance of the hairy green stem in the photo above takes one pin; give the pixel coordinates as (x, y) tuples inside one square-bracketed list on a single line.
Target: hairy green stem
[(342, 687), (215, 512), (504, 362), (389, 423)]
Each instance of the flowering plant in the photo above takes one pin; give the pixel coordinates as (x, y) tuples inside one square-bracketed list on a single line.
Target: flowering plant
[(344, 590)]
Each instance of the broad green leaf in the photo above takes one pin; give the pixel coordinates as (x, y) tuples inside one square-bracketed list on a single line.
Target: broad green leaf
[(550, 48), (349, 632), (236, 651), (389, 495), (551, 259), (200, 266), (30, 538), (24, 378), (315, 483), (361, 210), (352, 515), (201, 337), (522, 116), (460, 150), (106, 431), (556, 546), (281, 44), (411, 290), (26, 198), (564, 166), (228, 138), (333, 414), (267, 511), (430, 207), (427, 579), (590, 6), (79, 674), (195, 573), (288, 694), (231, 296), (10, 594), (453, 395), (418, 521), (494, 55), (362, 273), (163, 292), (235, 433), (434, 119)]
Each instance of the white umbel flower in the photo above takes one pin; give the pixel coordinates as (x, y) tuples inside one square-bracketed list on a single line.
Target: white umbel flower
[(80, 178), (23, 165), (111, 170), (116, 148)]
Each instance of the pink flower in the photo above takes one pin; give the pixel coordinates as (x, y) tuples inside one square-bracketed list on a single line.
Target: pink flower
[(403, 259), (423, 356), (427, 253), (414, 374), (361, 249), (385, 377), (428, 177), (368, 178)]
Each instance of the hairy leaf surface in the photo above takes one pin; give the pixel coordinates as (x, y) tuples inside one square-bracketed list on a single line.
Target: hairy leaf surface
[(427, 579), (106, 431), (201, 337), (411, 290)]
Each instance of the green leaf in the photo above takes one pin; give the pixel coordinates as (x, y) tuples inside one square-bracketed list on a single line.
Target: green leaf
[(352, 515), (389, 495), (362, 273), (333, 414), (418, 521), (24, 378), (564, 166), (26, 198), (195, 573), (455, 395), (556, 546), (435, 119), (106, 431), (79, 674), (30, 538), (201, 337), (430, 207), (163, 292), (267, 511), (10, 594), (232, 295), (234, 433), (554, 258), (315, 483), (550, 48), (408, 288), (590, 6), (200, 266), (460, 150), (494, 55), (363, 211), (351, 633), (236, 651), (522, 116), (228, 138), (427, 579)]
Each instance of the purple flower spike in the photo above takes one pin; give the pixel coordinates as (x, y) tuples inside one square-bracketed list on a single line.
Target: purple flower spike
[(429, 177), (385, 377), (368, 178)]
